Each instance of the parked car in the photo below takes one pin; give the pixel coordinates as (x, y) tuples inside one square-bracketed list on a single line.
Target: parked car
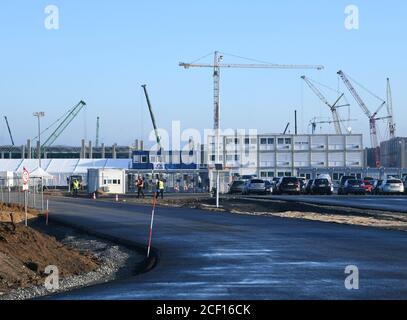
[(321, 186), (376, 187), (307, 189), (405, 183), (354, 186), (238, 186), (274, 182), (368, 185), (256, 186), (342, 182), (288, 185), (303, 183), (391, 186), (269, 187)]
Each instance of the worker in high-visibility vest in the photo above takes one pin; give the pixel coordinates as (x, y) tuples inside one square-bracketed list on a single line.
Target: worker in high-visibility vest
[(76, 186), (160, 188)]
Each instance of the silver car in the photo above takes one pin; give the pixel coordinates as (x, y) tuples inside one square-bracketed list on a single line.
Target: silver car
[(391, 186), (256, 186)]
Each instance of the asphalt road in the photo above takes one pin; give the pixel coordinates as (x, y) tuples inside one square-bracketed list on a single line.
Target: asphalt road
[(206, 255), (388, 203)]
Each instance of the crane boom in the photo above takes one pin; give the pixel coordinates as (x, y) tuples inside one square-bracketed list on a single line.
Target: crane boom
[(372, 117), (333, 107), (391, 124), (9, 130), (97, 132), (352, 90), (150, 108), (218, 65), (251, 66), (64, 124)]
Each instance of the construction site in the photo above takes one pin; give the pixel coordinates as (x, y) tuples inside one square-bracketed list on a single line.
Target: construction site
[(288, 203)]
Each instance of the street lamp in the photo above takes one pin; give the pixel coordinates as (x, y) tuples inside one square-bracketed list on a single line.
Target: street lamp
[(39, 115)]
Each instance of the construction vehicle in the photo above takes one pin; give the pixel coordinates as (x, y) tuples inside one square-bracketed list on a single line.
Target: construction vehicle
[(371, 116), (333, 107)]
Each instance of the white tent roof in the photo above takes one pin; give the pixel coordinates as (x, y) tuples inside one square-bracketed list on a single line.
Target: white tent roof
[(40, 173)]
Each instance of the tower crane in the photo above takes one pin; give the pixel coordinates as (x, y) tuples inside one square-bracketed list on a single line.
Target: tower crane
[(371, 116), (150, 108), (9, 130), (333, 107), (391, 124), (218, 65), (63, 125)]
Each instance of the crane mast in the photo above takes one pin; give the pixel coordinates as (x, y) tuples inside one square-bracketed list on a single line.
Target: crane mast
[(9, 130)]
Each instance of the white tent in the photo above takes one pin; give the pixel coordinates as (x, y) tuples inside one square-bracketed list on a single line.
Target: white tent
[(41, 173)]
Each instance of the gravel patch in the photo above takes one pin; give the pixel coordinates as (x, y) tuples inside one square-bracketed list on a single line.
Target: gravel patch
[(117, 262)]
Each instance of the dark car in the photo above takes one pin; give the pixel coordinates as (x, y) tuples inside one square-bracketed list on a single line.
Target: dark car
[(321, 186), (288, 185), (342, 182), (238, 186), (307, 189), (354, 186)]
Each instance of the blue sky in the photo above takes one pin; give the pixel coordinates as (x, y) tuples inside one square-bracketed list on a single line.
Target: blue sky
[(104, 51)]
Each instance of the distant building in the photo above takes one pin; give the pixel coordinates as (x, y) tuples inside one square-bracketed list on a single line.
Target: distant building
[(393, 153), (275, 155)]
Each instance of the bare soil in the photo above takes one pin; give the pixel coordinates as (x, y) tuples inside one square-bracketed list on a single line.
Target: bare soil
[(25, 253)]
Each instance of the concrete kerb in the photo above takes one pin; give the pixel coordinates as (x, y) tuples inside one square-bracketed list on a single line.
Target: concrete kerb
[(145, 266)]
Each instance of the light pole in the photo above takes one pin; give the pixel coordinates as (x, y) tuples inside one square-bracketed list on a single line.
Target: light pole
[(39, 115)]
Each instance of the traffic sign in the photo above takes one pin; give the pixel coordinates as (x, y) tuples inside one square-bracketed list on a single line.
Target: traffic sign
[(26, 179), (26, 176)]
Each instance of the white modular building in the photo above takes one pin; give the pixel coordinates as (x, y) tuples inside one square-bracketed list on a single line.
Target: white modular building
[(274, 155), (111, 181)]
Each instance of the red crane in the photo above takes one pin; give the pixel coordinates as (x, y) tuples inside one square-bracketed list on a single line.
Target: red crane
[(371, 116)]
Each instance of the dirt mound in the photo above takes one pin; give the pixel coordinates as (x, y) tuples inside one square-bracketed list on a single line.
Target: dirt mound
[(17, 212), (25, 253)]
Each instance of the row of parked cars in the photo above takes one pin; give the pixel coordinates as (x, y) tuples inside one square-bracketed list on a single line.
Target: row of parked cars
[(323, 185), (284, 185)]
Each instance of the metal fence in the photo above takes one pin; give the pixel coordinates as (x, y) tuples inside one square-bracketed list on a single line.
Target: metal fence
[(11, 192)]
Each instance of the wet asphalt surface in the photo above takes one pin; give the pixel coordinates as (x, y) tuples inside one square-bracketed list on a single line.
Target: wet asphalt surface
[(205, 255), (388, 203)]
